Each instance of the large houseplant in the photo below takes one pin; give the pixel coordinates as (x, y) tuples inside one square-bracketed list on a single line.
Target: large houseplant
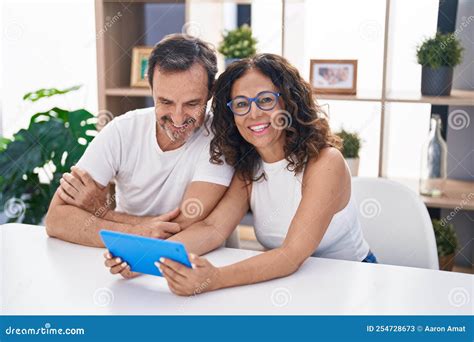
[(33, 161), (350, 149), (237, 44), (438, 56), (446, 242)]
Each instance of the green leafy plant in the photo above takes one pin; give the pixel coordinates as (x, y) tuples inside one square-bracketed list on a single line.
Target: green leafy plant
[(53, 142), (446, 239), (238, 43), (41, 93), (440, 50), (350, 144)]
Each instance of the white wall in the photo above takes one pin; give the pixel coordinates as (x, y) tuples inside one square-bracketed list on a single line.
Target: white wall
[(46, 44), (266, 25), (209, 19), (338, 29), (1, 72), (343, 29), (410, 23)]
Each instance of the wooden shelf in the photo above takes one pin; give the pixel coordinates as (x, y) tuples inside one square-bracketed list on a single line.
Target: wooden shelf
[(457, 98), (456, 194), (128, 91), (339, 97)]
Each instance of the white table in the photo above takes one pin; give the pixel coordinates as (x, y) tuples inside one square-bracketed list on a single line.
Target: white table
[(45, 276)]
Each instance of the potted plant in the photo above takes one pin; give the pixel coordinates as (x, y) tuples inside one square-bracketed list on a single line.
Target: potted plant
[(446, 242), (34, 160), (350, 149), (438, 56), (237, 44)]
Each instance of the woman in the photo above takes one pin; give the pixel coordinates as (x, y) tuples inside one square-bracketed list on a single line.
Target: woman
[(288, 171)]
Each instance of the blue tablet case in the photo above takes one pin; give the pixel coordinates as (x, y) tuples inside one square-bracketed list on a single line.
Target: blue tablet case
[(141, 252)]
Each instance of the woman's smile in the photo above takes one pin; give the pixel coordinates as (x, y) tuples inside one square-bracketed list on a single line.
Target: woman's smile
[(259, 128)]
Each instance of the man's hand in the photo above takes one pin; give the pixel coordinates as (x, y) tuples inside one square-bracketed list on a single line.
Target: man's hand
[(158, 227), (80, 190)]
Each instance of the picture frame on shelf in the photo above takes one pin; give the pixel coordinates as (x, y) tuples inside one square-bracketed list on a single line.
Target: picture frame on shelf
[(334, 76), (139, 66)]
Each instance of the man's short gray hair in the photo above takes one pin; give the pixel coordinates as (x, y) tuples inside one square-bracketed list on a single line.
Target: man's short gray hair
[(178, 52)]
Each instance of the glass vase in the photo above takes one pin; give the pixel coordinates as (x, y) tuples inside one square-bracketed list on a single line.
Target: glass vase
[(433, 161)]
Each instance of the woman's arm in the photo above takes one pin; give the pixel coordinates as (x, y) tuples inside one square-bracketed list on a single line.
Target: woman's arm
[(210, 233), (203, 236), (326, 190)]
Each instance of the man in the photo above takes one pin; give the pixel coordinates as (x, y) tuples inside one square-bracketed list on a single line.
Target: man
[(159, 157)]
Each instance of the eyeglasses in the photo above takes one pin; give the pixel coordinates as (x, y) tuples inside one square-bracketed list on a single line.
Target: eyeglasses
[(265, 100)]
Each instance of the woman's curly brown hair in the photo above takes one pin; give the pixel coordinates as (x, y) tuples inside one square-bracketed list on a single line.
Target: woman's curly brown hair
[(307, 131)]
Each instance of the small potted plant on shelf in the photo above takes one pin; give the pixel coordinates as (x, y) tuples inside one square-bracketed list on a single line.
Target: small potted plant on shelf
[(438, 56), (446, 242), (238, 44), (350, 149)]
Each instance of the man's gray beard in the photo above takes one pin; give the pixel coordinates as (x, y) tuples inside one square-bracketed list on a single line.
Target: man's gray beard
[(174, 137)]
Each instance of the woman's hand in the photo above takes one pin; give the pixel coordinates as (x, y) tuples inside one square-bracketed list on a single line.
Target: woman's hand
[(185, 281), (116, 266)]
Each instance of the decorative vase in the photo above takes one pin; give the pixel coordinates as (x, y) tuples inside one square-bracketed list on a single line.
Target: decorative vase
[(353, 164), (436, 82), (433, 161)]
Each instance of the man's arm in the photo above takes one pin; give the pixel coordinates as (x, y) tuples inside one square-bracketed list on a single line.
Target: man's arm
[(198, 201), (80, 190), (73, 224), (76, 217), (76, 225)]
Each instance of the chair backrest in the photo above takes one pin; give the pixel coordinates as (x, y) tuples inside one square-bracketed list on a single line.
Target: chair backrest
[(395, 223)]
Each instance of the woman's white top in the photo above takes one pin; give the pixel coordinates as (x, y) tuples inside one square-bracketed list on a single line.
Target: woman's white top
[(274, 202)]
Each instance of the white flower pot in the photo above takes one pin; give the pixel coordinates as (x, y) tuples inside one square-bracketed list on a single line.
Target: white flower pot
[(353, 164)]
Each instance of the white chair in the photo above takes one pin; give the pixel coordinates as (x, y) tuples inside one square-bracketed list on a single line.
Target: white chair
[(395, 223)]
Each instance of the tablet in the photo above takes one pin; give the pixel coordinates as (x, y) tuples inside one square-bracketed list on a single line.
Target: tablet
[(141, 252)]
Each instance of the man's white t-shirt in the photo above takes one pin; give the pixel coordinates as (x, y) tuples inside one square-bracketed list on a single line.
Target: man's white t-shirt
[(148, 180)]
